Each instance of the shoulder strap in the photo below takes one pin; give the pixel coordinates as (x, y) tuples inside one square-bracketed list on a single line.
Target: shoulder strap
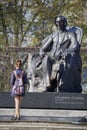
[(22, 73), (16, 74)]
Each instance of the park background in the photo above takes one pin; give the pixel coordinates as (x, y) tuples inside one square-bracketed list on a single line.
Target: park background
[(25, 23)]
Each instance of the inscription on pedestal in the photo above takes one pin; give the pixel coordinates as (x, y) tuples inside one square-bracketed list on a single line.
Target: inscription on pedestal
[(69, 100)]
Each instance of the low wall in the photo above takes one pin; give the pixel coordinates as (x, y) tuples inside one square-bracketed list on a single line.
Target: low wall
[(48, 100)]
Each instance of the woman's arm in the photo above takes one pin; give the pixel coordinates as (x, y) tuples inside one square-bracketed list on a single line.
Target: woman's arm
[(12, 81)]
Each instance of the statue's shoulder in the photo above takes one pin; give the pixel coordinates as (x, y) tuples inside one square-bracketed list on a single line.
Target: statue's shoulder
[(74, 29), (77, 31)]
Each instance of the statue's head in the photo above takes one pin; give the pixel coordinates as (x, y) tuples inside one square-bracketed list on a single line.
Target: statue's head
[(61, 22)]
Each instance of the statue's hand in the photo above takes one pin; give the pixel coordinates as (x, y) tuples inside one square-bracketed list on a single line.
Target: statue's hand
[(41, 53), (42, 56)]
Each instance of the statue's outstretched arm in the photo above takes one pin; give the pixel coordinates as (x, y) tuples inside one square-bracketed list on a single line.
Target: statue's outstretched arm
[(46, 43)]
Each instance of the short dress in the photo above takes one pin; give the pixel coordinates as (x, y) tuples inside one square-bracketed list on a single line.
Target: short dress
[(13, 78)]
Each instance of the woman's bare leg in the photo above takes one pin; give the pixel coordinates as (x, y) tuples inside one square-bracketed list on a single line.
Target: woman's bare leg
[(17, 100)]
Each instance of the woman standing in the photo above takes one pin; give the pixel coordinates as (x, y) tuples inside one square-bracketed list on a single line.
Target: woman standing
[(18, 72)]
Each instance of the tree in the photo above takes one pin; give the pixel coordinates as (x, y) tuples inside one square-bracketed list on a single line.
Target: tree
[(30, 21)]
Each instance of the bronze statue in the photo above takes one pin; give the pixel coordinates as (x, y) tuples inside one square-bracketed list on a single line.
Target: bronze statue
[(59, 59)]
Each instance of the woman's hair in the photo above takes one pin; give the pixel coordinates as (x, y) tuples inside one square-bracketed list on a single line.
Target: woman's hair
[(18, 63)]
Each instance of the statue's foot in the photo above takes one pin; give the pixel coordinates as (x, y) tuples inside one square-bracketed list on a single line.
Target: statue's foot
[(45, 91), (49, 89)]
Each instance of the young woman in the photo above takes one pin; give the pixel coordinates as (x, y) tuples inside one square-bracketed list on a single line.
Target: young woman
[(17, 97)]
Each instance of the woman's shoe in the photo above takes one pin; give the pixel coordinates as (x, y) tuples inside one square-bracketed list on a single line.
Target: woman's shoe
[(14, 118), (18, 119)]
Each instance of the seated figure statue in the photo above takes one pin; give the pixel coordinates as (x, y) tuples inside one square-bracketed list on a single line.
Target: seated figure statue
[(59, 59)]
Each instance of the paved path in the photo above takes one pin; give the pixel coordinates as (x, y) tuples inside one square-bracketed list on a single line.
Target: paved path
[(45, 112), (34, 119), (40, 126)]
